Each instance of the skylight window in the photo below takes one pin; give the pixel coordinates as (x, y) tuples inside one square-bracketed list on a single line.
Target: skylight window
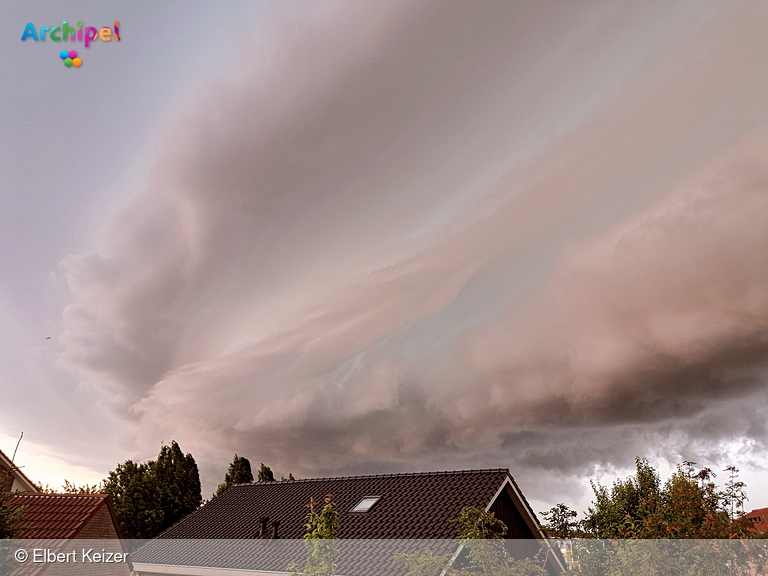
[(366, 504)]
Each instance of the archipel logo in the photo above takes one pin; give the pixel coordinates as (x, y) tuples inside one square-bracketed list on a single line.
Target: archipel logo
[(70, 58), (66, 33)]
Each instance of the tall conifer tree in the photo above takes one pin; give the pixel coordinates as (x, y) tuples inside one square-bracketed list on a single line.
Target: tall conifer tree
[(239, 472)]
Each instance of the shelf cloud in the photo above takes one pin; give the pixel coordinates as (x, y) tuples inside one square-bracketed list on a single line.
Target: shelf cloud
[(415, 237)]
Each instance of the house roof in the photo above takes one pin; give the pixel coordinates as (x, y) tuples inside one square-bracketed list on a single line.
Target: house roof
[(759, 519), (23, 483), (410, 508), (415, 505), (58, 516)]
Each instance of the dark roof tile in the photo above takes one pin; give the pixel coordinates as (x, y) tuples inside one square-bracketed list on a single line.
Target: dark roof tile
[(412, 505)]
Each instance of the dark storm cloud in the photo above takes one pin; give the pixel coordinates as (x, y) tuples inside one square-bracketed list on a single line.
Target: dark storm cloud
[(328, 194)]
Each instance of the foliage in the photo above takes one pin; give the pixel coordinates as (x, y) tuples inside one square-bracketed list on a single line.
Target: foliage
[(9, 523), (10, 520), (152, 496), (425, 563), (133, 489), (482, 536), (688, 505), (239, 472), (178, 483), (684, 526), (290, 477), (265, 474), (325, 525), (561, 522), (682, 557), (72, 488), (478, 524), (321, 531), (734, 494)]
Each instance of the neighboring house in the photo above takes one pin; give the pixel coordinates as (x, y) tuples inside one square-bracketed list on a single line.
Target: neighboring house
[(759, 519), (71, 520), (12, 478), (417, 506)]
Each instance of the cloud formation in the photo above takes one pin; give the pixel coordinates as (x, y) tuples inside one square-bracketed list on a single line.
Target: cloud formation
[(275, 289)]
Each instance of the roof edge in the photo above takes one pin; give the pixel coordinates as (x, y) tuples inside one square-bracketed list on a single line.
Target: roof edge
[(510, 480), (395, 475), (16, 471)]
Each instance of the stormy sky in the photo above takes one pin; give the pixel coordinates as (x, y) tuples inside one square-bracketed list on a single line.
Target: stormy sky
[(344, 237)]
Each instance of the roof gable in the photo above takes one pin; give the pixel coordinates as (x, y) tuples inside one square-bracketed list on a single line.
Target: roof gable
[(20, 481), (416, 505)]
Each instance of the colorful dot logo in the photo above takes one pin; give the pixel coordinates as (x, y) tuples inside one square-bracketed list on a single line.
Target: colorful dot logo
[(70, 58)]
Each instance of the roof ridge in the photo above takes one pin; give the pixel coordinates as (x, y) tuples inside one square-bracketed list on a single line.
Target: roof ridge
[(394, 475), (58, 495)]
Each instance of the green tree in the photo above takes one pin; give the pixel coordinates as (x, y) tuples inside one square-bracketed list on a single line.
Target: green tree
[(133, 490), (323, 525), (479, 524), (265, 474), (687, 505), (322, 529), (690, 508), (734, 494), (239, 472), (9, 521), (621, 512), (482, 536), (682, 557), (561, 522), (150, 497), (675, 527), (178, 484)]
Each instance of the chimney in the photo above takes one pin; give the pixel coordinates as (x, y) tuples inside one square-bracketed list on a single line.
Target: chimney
[(275, 526), (263, 529)]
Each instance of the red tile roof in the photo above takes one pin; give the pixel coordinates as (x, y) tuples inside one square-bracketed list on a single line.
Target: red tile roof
[(759, 519), (59, 517), (56, 516)]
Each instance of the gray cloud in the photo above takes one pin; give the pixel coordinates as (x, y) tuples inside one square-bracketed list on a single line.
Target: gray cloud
[(328, 196)]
